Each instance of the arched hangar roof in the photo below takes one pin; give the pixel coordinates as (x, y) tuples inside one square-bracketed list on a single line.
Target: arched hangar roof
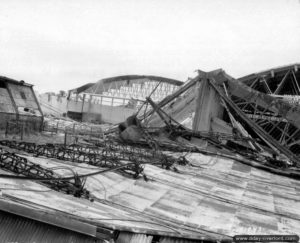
[(284, 80), (270, 72), (127, 80)]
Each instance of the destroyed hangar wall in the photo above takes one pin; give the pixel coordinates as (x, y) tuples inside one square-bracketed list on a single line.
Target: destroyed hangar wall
[(18, 103), (210, 198)]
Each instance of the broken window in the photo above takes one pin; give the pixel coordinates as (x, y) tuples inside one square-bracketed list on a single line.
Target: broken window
[(23, 96)]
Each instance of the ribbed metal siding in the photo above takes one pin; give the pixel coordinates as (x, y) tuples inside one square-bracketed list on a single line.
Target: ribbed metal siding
[(22, 230), (125, 237), (174, 240)]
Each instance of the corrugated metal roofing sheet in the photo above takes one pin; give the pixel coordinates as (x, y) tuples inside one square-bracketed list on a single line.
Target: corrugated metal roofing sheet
[(217, 197), (22, 230)]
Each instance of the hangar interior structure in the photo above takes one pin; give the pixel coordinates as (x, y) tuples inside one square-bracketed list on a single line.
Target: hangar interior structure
[(282, 83), (216, 102), (113, 99)]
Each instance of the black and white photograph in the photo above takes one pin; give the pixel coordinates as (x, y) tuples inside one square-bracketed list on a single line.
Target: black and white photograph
[(149, 121)]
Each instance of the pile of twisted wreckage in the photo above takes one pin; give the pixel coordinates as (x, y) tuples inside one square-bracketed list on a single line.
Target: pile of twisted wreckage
[(217, 158)]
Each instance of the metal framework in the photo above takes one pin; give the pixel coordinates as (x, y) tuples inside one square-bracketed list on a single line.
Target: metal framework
[(105, 154), (271, 119), (266, 117), (19, 165), (276, 126), (280, 81)]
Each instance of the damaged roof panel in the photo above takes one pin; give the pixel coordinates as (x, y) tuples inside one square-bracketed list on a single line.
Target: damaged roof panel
[(218, 197), (136, 186)]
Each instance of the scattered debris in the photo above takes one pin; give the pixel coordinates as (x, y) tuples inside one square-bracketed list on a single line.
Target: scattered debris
[(21, 166), (245, 130)]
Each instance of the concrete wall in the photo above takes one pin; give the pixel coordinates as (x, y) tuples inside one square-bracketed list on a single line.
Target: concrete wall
[(74, 106), (53, 104), (92, 117), (100, 113)]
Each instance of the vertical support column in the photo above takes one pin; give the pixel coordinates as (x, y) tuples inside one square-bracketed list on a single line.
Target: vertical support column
[(208, 106), (65, 139), (90, 106), (39, 108), (201, 120), (112, 101), (82, 107)]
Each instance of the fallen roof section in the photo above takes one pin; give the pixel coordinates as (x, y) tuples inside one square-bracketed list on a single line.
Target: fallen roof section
[(159, 184), (213, 198)]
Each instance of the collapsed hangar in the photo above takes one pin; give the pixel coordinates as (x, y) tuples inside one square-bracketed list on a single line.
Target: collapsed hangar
[(193, 192), (283, 84), (221, 104)]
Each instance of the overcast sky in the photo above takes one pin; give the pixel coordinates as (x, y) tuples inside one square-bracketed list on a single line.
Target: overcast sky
[(60, 45)]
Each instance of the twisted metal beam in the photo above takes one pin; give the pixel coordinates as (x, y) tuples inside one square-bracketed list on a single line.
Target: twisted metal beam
[(19, 165)]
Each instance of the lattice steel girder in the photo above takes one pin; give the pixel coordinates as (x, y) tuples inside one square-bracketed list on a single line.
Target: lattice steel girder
[(283, 109), (282, 82), (244, 91), (19, 165), (106, 154), (266, 114)]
